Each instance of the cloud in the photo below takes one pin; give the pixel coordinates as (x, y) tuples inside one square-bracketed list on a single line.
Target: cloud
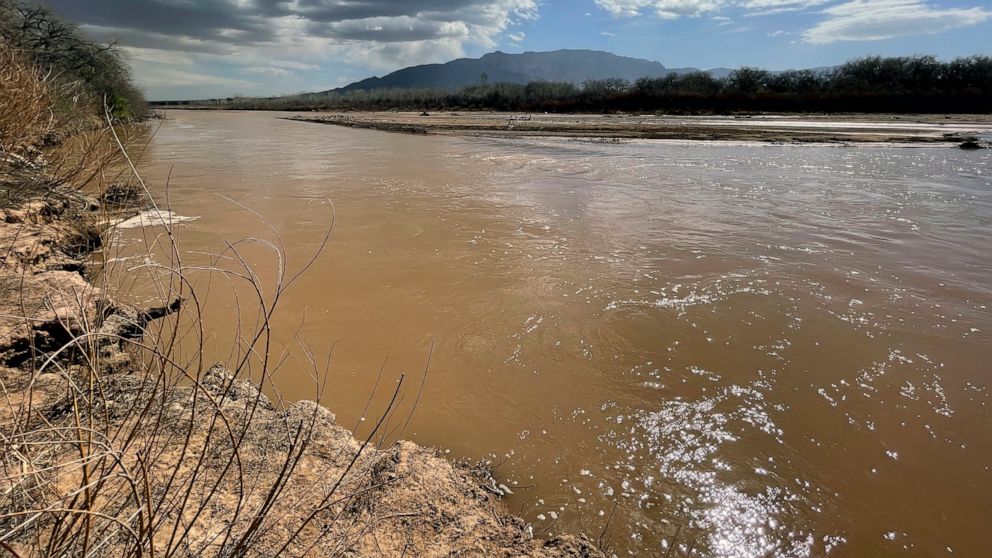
[(672, 9), (157, 56), (873, 20), (516, 37), (172, 77), (843, 20), (391, 30), (768, 7), (668, 9), (293, 65), (388, 56), (266, 71), (233, 38)]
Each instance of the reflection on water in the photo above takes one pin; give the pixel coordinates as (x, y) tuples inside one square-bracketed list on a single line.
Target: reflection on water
[(769, 350)]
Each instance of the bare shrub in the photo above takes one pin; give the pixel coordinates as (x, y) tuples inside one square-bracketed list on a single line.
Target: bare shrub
[(26, 115)]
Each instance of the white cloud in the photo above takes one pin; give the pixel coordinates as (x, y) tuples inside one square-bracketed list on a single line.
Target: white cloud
[(667, 9), (768, 7), (671, 9), (266, 71), (872, 20), (157, 56), (765, 4), (516, 37), (156, 77), (289, 64), (845, 20), (394, 29), (390, 56), (437, 37)]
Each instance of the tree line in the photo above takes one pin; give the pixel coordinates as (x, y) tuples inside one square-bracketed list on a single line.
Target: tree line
[(57, 47), (871, 84)]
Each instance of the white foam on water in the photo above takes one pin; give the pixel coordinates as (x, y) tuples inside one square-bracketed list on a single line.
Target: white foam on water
[(154, 218)]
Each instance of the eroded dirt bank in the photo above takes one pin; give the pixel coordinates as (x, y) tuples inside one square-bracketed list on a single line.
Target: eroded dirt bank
[(103, 454), (930, 129)]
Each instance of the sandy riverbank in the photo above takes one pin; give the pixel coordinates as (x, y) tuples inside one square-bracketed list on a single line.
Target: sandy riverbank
[(930, 129)]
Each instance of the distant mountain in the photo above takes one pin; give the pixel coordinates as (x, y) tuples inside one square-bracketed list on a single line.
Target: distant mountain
[(720, 73), (574, 66)]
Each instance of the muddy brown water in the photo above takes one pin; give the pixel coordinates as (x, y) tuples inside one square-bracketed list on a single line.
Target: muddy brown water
[(771, 350)]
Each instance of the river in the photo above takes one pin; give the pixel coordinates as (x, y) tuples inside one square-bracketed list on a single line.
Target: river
[(755, 350)]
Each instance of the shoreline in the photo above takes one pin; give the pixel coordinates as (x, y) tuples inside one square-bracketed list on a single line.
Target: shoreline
[(933, 130), (411, 499)]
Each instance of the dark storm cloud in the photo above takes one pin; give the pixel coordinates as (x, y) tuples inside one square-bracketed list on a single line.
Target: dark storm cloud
[(332, 11), (196, 48), (205, 25), (207, 20)]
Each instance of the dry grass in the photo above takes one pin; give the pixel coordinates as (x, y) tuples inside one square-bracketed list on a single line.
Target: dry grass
[(25, 105), (48, 123)]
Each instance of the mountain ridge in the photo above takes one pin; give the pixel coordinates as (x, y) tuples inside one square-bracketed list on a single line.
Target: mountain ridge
[(571, 65)]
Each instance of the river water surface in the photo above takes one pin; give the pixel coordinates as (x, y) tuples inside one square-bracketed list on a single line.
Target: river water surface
[(767, 350)]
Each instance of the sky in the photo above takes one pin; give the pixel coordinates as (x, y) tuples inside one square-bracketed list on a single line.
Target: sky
[(190, 49)]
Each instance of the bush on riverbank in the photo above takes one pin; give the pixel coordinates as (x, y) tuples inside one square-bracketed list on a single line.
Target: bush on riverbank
[(50, 137), (59, 95), (79, 66), (873, 84)]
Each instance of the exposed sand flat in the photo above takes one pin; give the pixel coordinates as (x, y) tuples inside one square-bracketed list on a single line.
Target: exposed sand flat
[(767, 128)]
